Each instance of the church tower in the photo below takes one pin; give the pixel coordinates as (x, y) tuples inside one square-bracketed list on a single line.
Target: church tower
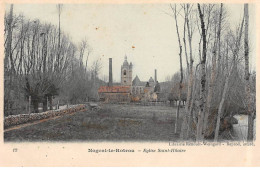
[(126, 73)]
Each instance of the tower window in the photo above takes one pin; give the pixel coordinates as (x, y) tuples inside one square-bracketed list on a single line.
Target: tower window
[(124, 72)]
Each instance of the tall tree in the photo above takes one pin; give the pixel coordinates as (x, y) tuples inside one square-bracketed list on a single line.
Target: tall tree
[(227, 79), (59, 7), (213, 69), (8, 53), (199, 135), (188, 107), (250, 111), (181, 70)]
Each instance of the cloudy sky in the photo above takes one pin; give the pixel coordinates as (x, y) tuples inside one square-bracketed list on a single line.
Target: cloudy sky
[(113, 30)]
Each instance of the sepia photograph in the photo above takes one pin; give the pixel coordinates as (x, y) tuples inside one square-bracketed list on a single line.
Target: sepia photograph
[(111, 72), (181, 74)]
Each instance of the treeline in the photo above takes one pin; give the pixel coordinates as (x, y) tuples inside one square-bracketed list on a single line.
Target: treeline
[(42, 64), (220, 84)]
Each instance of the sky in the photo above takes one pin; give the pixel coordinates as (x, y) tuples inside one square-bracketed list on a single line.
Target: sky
[(145, 33)]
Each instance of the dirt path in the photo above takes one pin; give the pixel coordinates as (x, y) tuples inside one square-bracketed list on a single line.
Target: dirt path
[(35, 122)]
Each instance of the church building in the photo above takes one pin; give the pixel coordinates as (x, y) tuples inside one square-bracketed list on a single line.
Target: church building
[(128, 90), (126, 73)]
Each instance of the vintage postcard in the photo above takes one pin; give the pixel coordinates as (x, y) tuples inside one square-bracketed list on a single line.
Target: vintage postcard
[(129, 83)]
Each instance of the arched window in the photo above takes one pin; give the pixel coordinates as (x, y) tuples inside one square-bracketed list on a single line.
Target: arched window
[(124, 72)]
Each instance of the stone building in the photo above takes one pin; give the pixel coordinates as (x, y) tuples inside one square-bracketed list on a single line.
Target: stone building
[(126, 73), (114, 94), (145, 91), (117, 93), (128, 90), (151, 82), (137, 86)]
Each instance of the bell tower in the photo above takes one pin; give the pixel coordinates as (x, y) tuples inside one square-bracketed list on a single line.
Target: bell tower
[(126, 73)]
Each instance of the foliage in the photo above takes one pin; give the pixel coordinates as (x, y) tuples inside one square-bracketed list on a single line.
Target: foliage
[(42, 62)]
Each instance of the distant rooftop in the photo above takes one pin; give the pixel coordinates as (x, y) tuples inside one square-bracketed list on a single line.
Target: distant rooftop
[(114, 89)]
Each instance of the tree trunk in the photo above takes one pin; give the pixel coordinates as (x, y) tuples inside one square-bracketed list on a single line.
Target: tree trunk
[(51, 103), (35, 105), (250, 112), (189, 130), (220, 108), (7, 74), (190, 83), (44, 103), (184, 41), (59, 6), (58, 58), (213, 74), (191, 59), (9, 41), (177, 118), (44, 51), (199, 135), (250, 132), (180, 54)]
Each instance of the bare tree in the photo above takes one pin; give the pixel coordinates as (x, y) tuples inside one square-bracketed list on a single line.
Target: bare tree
[(213, 69), (249, 102), (188, 110), (59, 8), (199, 135), (84, 47), (181, 70), (95, 69), (220, 59), (9, 40), (227, 79)]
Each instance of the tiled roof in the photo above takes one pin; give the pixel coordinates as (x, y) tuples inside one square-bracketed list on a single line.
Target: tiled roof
[(136, 81), (114, 89)]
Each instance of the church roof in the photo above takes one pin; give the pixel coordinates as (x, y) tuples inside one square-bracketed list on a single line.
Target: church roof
[(125, 62), (136, 81), (151, 79), (131, 65)]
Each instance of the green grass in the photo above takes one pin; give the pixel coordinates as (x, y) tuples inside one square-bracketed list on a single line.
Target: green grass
[(110, 123)]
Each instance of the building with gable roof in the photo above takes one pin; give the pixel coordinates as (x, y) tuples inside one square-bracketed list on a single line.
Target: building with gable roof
[(128, 90)]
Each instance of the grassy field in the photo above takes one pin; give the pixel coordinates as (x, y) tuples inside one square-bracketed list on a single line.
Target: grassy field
[(111, 123)]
